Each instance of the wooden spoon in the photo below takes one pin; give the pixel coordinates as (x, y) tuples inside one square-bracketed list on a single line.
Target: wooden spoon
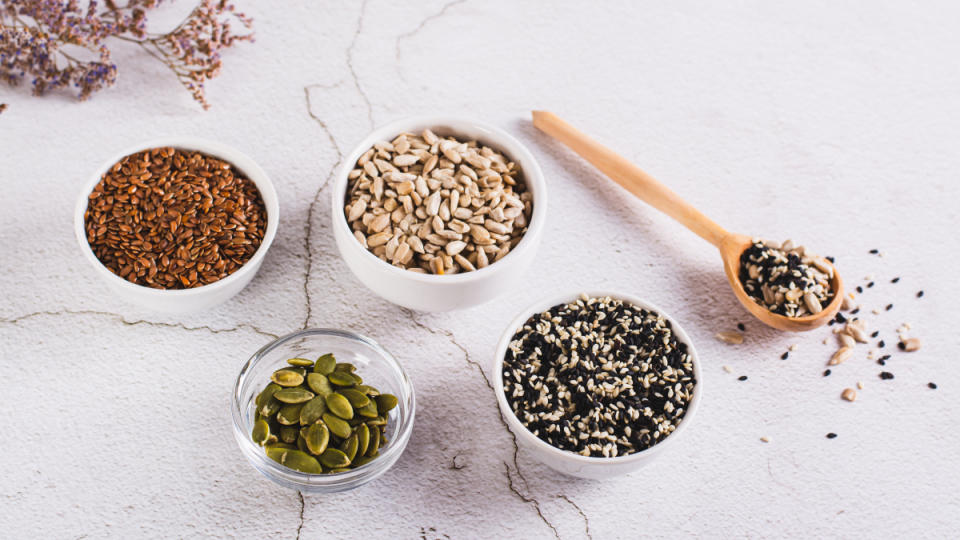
[(646, 187)]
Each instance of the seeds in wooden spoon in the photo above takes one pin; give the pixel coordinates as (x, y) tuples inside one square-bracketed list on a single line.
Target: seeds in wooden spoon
[(787, 280)]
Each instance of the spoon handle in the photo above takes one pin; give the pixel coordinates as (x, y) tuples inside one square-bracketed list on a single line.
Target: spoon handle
[(631, 177)]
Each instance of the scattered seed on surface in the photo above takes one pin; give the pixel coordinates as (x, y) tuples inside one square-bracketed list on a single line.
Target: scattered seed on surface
[(909, 344), (765, 438), (827, 372), (831, 435), (734, 338), (870, 285), (741, 327), (784, 355), (874, 251), (859, 385), (894, 280), (919, 294), (889, 307), (881, 344), (742, 378), (886, 375), (849, 394), (727, 368), (932, 385)]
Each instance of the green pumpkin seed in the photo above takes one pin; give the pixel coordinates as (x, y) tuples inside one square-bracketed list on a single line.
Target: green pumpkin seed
[(385, 402), (369, 410), (374, 445), (319, 384), (296, 460), (279, 445), (289, 415), (345, 367), (349, 447), (270, 408), (357, 399), (340, 406), (264, 397), (341, 378), (289, 434), (325, 364), (361, 461), (378, 421), (293, 395), (300, 362), (337, 426), (261, 432), (356, 379), (313, 410), (333, 458), (287, 377), (338, 470), (363, 439), (368, 390), (302, 445), (317, 438)]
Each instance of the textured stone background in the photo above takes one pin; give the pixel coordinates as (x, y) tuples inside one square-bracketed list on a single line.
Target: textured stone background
[(836, 124)]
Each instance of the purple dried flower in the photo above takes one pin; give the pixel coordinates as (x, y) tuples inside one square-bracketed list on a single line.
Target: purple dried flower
[(44, 40)]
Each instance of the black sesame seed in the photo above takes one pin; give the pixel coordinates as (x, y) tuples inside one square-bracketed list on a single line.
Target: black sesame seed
[(742, 378), (741, 327), (881, 344), (889, 307), (875, 333), (932, 385), (840, 318), (885, 357), (859, 289), (882, 361), (874, 251), (869, 285), (919, 294), (894, 280), (831, 435), (886, 375), (855, 311), (902, 346), (785, 355), (827, 373), (831, 259)]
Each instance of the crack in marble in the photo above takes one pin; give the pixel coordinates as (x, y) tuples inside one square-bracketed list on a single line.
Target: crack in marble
[(353, 72), (423, 23), (302, 505), (308, 226), (123, 320), (516, 449), (527, 499), (586, 520)]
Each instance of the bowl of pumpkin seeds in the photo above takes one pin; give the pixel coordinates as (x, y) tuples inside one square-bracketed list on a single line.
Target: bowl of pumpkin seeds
[(322, 410)]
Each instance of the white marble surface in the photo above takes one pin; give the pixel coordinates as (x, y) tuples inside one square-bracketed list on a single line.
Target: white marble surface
[(833, 123)]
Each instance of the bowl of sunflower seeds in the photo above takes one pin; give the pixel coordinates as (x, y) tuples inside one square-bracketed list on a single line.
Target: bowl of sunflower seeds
[(438, 213)]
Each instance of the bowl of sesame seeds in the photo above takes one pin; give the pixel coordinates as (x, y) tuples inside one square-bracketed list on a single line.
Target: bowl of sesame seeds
[(177, 224), (597, 384)]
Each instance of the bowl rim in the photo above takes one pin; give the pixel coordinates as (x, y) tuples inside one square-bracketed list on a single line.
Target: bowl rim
[(494, 137), (521, 431), (345, 480), (238, 159)]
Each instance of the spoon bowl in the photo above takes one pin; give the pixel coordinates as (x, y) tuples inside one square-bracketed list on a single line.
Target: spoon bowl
[(654, 193), (731, 248)]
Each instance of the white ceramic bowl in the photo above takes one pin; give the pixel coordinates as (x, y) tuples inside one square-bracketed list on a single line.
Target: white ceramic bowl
[(427, 292), (569, 462), (184, 300)]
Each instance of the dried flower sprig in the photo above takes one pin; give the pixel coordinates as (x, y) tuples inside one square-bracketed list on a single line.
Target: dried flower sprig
[(44, 40)]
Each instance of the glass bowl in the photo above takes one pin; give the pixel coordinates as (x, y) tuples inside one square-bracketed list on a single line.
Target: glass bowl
[(377, 367)]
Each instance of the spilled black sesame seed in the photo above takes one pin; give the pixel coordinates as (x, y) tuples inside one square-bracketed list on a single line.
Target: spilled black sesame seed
[(831, 435), (742, 378), (874, 251), (875, 333), (889, 307), (741, 327), (919, 294), (859, 289), (894, 280), (785, 355), (827, 373), (932, 385), (886, 375), (881, 344), (855, 311), (870, 285)]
